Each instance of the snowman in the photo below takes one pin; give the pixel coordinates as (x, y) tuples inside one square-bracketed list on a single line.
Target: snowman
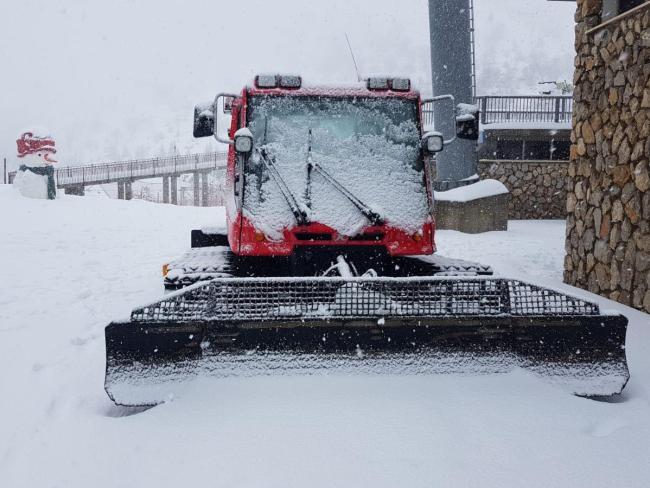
[(35, 175)]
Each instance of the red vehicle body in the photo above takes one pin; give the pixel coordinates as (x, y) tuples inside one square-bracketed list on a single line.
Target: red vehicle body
[(245, 240)]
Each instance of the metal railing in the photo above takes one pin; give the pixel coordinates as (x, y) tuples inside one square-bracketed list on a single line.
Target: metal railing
[(96, 174), (516, 109), (496, 109)]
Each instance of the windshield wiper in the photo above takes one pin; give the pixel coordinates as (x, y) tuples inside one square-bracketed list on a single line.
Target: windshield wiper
[(370, 214), (310, 167), (269, 161)]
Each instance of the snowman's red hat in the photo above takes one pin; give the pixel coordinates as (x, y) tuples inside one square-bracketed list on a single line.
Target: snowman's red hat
[(30, 144)]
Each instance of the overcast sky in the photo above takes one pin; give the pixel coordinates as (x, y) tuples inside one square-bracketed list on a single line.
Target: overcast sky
[(118, 79)]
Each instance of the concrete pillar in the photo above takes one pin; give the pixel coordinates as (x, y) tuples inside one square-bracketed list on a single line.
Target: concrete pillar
[(128, 190), (174, 189), (204, 190), (165, 189), (451, 73), (195, 178), (120, 190)]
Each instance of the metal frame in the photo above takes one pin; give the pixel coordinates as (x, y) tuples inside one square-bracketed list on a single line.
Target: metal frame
[(277, 299), (226, 140), (432, 101)]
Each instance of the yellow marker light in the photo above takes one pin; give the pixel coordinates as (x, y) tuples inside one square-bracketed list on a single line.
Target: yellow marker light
[(165, 269), (259, 237), (417, 237)]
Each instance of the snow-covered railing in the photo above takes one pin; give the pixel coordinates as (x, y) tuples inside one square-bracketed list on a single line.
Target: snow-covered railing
[(94, 174), (496, 109), (500, 109)]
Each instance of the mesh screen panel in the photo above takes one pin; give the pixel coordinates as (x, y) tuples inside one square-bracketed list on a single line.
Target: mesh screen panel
[(339, 298)]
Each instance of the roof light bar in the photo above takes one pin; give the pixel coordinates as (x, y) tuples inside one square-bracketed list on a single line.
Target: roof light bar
[(385, 83), (290, 81), (400, 84), (378, 83), (266, 81), (275, 81)]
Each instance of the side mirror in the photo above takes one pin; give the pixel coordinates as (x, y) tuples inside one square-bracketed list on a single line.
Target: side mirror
[(433, 142), (205, 117), (243, 141), (467, 122), (203, 120)]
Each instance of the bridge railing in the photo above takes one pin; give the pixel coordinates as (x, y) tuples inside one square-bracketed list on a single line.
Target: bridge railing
[(505, 109), (496, 109), (94, 174)]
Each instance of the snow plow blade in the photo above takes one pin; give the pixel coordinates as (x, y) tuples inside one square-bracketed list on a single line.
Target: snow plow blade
[(265, 326)]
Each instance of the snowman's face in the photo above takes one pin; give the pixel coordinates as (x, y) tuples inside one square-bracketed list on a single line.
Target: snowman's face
[(40, 158)]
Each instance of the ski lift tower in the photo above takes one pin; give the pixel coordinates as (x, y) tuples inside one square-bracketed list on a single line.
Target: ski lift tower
[(451, 25)]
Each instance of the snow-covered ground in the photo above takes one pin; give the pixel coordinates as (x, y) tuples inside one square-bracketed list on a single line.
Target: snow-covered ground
[(69, 266)]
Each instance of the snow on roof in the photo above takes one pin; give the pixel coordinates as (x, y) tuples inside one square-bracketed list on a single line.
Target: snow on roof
[(341, 90), (481, 189)]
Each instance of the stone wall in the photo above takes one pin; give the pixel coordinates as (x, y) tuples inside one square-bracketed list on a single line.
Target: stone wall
[(608, 223), (537, 188), (473, 217)]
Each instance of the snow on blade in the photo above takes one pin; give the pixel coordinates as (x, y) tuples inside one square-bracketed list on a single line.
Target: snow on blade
[(150, 384)]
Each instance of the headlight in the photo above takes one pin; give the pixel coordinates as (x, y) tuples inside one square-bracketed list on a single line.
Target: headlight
[(243, 144), (433, 142)]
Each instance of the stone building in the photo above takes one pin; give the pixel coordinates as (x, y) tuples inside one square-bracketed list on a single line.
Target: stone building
[(608, 200)]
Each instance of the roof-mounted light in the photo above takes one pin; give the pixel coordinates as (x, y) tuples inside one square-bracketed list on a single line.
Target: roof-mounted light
[(378, 83), (400, 84), (266, 81), (290, 81), (385, 83)]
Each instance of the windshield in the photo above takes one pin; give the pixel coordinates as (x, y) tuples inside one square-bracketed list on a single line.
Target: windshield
[(370, 146), (335, 120)]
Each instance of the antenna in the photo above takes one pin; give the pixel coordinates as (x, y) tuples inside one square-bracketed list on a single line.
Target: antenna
[(352, 54)]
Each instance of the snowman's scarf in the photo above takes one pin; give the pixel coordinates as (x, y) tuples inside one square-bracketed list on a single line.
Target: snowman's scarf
[(43, 171)]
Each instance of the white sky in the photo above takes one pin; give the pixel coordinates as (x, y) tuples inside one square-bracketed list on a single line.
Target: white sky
[(119, 79)]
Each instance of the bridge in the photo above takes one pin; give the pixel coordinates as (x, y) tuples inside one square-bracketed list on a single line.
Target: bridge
[(74, 179)]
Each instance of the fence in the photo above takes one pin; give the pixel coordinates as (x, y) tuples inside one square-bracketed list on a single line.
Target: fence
[(95, 174), (505, 109)]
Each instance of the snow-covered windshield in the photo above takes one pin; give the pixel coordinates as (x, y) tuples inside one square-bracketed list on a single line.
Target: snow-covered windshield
[(371, 146)]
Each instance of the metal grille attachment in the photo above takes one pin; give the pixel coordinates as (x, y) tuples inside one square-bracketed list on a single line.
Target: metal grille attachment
[(274, 299)]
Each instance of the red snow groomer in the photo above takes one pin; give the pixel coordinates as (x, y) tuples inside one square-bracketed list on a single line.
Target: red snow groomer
[(326, 264), (338, 162)]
